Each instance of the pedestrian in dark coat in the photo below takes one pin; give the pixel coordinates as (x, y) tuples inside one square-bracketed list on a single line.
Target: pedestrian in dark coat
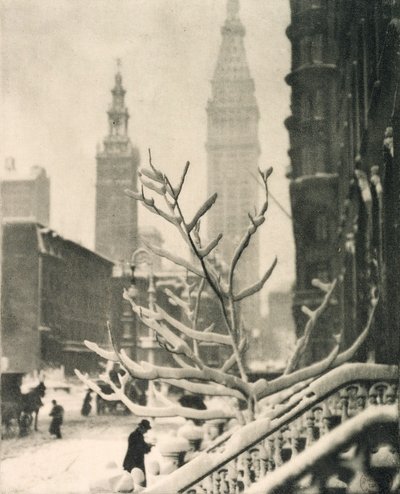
[(137, 448), (86, 407), (57, 412)]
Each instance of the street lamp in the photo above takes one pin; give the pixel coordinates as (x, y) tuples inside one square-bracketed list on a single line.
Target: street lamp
[(151, 291), (148, 342)]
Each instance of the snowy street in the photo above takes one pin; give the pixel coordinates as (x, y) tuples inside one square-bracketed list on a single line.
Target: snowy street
[(39, 464)]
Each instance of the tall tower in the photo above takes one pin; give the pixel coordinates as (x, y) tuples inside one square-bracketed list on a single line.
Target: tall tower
[(117, 164), (233, 150)]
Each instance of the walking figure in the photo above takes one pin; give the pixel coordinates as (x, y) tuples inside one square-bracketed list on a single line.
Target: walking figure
[(87, 407), (57, 412), (137, 448)]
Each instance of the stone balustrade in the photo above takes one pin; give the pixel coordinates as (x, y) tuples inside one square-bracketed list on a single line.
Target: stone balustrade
[(259, 449), (360, 456)]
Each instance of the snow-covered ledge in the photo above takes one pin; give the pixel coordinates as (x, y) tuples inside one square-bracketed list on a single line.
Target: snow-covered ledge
[(250, 434)]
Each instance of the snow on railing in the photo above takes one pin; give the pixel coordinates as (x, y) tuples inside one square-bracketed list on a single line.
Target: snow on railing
[(263, 445), (371, 468)]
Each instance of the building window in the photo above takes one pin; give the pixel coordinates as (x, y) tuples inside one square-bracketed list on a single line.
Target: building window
[(305, 50), (321, 228), (317, 45), (126, 330), (312, 156), (307, 106), (319, 270)]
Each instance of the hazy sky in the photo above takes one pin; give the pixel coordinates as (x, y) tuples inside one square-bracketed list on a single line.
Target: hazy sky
[(58, 66)]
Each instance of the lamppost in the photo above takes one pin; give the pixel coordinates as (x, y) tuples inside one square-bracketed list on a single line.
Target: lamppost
[(146, 342)]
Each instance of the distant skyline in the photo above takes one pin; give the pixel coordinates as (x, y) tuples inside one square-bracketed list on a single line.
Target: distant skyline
[(58, 66)]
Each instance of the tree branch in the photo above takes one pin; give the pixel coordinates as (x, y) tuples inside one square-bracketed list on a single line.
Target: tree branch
[(346, 355), (303, 342), (282, 382), (147, 371), (205, 389), (201, 212), (192, 333), (255, 223), (251, 290), (232, 360), (175, 259), (145, 411)]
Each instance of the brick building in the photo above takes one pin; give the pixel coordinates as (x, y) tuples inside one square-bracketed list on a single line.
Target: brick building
[(344, 138), (117, 165), (25, 196), (54, 295)]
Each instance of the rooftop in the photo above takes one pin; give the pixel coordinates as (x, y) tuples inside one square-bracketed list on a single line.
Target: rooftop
[(10, 173)]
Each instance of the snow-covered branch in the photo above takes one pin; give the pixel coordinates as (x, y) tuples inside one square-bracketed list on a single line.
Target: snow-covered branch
[(287, 380), (205, 336), (255, 223), (171, 410), (313, 316), (256, 287), (205, 389)]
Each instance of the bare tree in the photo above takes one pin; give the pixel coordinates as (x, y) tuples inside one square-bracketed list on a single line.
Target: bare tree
[(182, 339)]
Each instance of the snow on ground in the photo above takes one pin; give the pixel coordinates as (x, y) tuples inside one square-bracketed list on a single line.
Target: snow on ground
[(38, 464)]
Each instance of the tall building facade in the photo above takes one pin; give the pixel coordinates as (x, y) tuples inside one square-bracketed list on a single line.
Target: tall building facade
[(117, 165), (25, 196), (233, 151), (344, 173)]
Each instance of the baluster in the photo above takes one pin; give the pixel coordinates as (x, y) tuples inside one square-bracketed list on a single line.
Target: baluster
[(362, 397), (240, 474), (390, 394), (244, 476), (334, 403), (326, 419), (255, 463), (373, 395), (270, 450), (233, 477), (317, 413), (223, 483), (246, 468), (278, 449), (294, 439), (381, 388), (263, 460), (286, 448), (344, 403), (351, 400), (309, 428), (207, 484), (215, 483)]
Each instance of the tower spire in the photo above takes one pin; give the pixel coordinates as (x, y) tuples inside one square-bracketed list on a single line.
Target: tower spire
[(232, 8), (118, 114), (232, 80)]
